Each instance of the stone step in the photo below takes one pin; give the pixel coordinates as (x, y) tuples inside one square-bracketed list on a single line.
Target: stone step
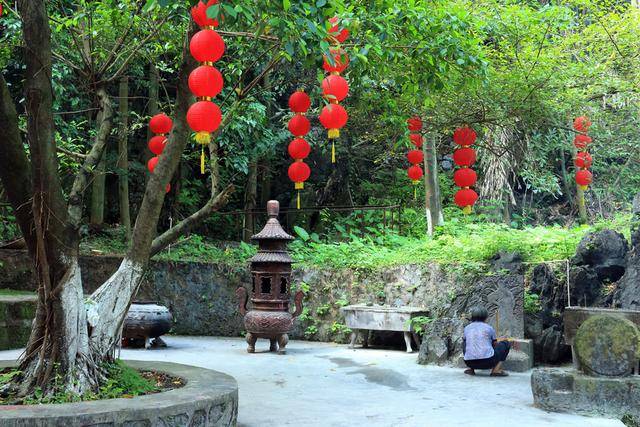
[(17, 310)]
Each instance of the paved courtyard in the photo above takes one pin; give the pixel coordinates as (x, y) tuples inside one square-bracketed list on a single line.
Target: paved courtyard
[(320, 384)]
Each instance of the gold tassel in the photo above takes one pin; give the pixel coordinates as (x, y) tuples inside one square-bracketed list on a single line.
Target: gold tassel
[(333, 152), (584, 187), (299, 205), (415, 192), (299, 185), (203, 138), (334, 133), (467, 210), (202, 161)]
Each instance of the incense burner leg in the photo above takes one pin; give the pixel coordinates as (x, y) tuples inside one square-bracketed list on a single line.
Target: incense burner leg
[(251, 340), (407, 340), (274, 344), (283, 340)]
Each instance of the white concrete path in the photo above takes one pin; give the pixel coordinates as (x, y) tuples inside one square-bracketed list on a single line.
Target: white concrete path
[(320, 384)]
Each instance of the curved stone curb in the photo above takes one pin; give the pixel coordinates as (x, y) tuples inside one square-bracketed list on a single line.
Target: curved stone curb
[(209, 398)]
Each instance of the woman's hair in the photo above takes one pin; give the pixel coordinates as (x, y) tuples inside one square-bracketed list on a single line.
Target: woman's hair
[(479, 314)]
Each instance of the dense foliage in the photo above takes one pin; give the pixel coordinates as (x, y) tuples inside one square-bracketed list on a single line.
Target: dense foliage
[(518, 71)]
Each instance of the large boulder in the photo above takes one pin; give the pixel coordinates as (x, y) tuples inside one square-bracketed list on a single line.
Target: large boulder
[(550, 346), (441, 341), (628, 292), (605, 251), (586, 287), (607, 346)]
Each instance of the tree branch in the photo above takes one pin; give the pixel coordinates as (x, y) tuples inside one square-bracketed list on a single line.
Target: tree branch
[(171, 235), (92, 159)]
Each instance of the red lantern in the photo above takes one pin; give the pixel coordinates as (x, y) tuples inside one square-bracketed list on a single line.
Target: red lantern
[(584, 178), (415, 124), (299, 172), (167, 188), (207, 46), (465, 157), (204, 118), (415, 174), (583, 160), (334, 117), (416, 139), (199, 14), (340, 61), (340, 35), (466, 198), (415, 157), (160, 124), (299, 125), (335, 88), (299, 149), (582, 141), (205, 82), (157, 144), (464, 136), (465, 177), (152, 163), (582, 124), (299, 102)]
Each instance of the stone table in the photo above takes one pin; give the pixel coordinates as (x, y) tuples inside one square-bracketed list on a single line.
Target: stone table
[(363, 318)]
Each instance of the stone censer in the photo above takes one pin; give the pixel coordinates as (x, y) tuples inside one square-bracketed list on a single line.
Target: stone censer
[(269, 316)]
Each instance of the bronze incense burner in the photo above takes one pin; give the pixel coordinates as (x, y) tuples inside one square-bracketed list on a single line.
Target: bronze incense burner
[(271, 287)]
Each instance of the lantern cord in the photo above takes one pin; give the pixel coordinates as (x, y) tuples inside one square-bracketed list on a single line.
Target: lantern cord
[(299, 204), (202, 161), (333, 152)]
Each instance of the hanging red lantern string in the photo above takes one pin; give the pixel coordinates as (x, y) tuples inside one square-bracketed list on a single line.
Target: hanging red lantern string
[(299, 149), (160, 125), (465, 177), (583, 160), (335, 88), (205, 82), (415, 157)]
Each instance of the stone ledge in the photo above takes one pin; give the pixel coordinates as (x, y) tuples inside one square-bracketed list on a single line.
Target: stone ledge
[(209, 398), (562, 390)]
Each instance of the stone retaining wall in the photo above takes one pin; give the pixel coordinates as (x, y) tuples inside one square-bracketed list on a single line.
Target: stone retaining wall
[(16, 316), (208, 399)]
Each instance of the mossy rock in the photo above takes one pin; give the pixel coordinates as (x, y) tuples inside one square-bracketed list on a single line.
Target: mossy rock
[(608, 345)]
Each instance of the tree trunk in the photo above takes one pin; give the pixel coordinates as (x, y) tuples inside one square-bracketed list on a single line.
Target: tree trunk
[(123, 156), (104, 122), (582, 205), (58, 345), (433, 203), (250, 199), (566, 187), (152, 108)]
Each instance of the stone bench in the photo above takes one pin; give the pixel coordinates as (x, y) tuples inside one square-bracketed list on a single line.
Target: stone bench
[(17, 311), (362, 318)]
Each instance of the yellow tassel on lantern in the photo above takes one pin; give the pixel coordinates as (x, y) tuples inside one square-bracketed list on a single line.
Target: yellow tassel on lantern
[(467, 210), (415, 193), (584, 187), (333, 152), (202, 161), (203, 138), (299, 186), (299, 204), (334, 133)]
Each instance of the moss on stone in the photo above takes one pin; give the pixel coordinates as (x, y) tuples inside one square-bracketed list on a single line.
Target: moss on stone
[(607, 336)]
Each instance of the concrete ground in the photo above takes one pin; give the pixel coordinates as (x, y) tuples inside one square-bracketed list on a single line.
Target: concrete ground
[(320, 384)]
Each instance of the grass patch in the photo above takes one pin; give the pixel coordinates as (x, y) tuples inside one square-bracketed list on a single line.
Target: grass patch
[(458, 243), (123, 382)]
